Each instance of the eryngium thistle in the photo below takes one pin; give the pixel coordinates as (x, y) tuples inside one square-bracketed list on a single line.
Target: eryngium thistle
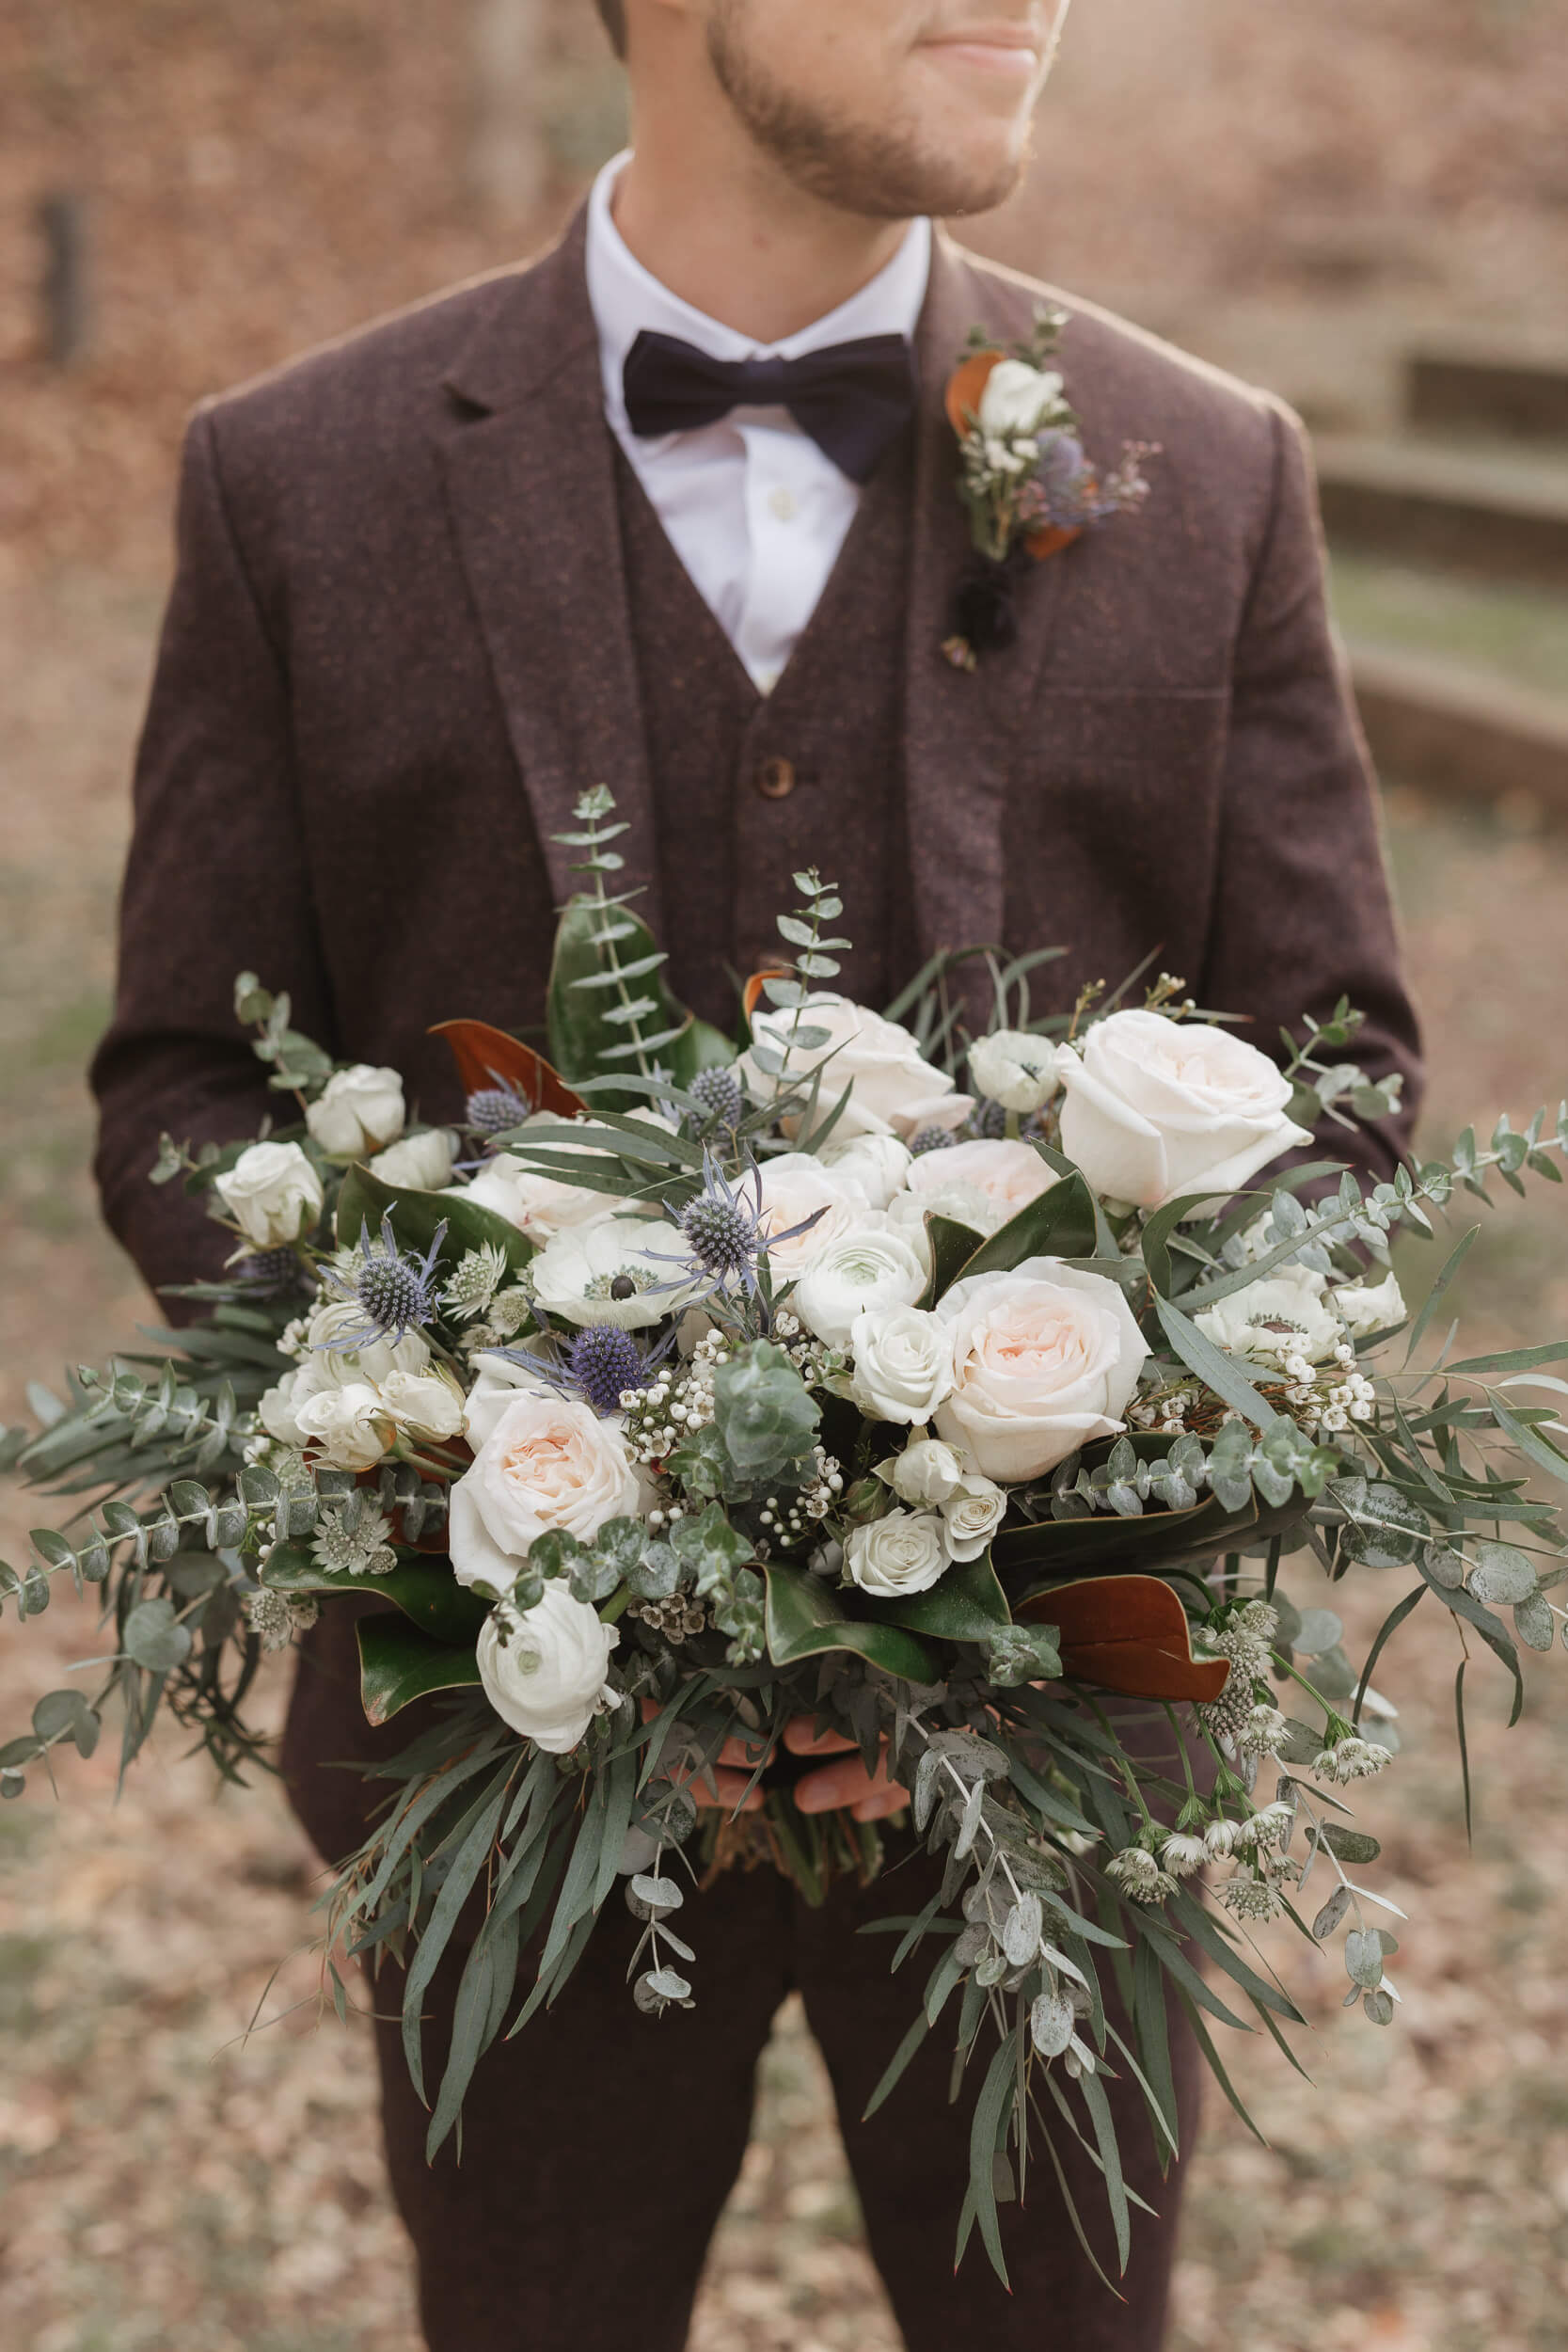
[(605, 1362), (990, 1122), (722, 1235), (398, 1294), (719, 1092), (494, 1110), (931, 1140), (271, 1273)]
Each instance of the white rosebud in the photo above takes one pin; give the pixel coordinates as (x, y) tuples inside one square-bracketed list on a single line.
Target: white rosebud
[(928, 1473), (905, 1552), (348, 1428), (543, 1669), (420, 1162), (903, 1363), (1017, 399), (358, 1111), (973, 1516), (424, 1403), (1014, 1068), (273, 1194), (867, 1269)]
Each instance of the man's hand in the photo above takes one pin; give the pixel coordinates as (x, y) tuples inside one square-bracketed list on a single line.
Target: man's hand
[(844, 1785)]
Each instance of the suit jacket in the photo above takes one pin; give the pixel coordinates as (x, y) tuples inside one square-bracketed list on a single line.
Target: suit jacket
[(398, 645)]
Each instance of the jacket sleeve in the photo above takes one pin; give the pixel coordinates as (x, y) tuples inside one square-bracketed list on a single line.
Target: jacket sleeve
[(1301, 912), (218, 883)]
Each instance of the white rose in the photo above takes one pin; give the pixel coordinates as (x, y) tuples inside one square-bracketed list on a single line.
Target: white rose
[(895, 1089), (375, 1361), (543, 1669), (1014, 1068), (870, 1267), (973, 1516), (575, 1274), (961, 1205), (273, 1194), (878, 1163), (905, 1552), (1157, 1108), (1017, 399), (1284, 1314), (424, 1403), (420, 1162), (903, 1363), (547, 1462), (928, 1472), (795, 1186), (1044, 1358), (349, 1425), (1007, 1176), (358, 1111), (537, 1204), (1367, 1307)]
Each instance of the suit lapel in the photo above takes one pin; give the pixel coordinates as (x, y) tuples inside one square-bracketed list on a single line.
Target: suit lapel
[(961, 726), (529, 476)]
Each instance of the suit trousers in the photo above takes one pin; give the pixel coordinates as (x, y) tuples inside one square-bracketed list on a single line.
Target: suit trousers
[(597, 2148)]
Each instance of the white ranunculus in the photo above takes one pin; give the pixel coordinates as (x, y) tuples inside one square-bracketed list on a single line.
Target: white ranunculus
[(424, 1405), (420, 1162), (870, 1267), (537, 1204), (1005, 1175), (1283, 1314), (895, 1090), (1017, 399), (797, 1186), (548, 1462), (575, 1274), (903, 1363), (878, 1163), (1044, 1359), (273, 1194), (358, 1111), (927, 1474), (973, 1516), (1014, 1068), (348, 1427), (1371, 1305), (905, 1552), (543, 1669), (1157, 1108)]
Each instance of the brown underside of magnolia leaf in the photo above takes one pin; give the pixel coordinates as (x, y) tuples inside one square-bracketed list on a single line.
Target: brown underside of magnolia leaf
[(1129, 1634), (485, 1056)]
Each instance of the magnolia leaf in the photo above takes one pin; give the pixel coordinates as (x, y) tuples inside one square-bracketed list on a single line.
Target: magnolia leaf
[(488, 1058), (398, 1664), (1129, 1634), (428, 1594), (806, 1617)]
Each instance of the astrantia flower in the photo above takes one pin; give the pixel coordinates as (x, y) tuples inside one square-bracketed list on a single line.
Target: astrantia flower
[(1183, 1854), (1249, 1898), (480, 1275), (353, 1539), (1350, 1759), (1140, 1875), (1263, 1732), (275, 1618)]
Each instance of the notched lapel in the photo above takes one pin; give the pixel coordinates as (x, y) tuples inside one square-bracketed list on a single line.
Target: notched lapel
[(963, 726), (530, 481)]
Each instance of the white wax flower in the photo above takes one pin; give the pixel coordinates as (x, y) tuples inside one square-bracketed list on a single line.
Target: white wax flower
[(895, 1089), (358, 1111), (420, 1162), (1017, 399), (1044, 1358), (1283, 1314), (1157, 1108), (1371, 1305), (878, 1163), (1007, 1176), (903, 1552), (273, 1194), (548, 1462), (903, 1363), (871, 1266), (575, 1274), (1015, 1069), (543, 1669)]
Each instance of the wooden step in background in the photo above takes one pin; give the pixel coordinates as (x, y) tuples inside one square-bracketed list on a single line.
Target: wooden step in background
[(1455, 392), (1499, 513)]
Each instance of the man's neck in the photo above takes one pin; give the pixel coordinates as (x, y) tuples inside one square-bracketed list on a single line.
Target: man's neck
[(732, 235)]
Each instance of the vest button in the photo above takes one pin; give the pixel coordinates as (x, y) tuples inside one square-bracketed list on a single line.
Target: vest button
[(775, 779)]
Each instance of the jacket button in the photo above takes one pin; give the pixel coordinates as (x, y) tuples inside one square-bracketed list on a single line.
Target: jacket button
[(775, 779)]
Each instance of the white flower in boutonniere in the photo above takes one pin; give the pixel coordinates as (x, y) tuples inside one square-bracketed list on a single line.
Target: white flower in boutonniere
[(1028, 488)]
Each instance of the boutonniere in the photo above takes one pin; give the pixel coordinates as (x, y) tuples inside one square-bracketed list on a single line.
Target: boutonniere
[(1026, 483)]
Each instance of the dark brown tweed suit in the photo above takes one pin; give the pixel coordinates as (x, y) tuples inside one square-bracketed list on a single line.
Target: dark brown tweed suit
[(400, 643)]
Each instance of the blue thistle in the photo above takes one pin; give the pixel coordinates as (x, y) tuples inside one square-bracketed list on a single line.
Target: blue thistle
[(719, 1091), (932, 1139), (722, 1230), (990, 1122), (604, 1364), (396, 1293), (494, 1110), (271, 1273)]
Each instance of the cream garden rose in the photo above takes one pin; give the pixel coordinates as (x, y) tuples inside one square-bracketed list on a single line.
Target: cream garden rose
[(537, 1204), (421, 1162), (547, 1462), (543, 1669), (1005, 1175), (903, 1363), (1015, 1069), (273, 1194), (358, 1111), (905, 1552), (1044, 1358), (894, 1089), (792, 1189), (871, 1266), (1158, 1108)]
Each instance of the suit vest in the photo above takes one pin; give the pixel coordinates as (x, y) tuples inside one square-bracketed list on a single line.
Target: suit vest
[(750, 788)]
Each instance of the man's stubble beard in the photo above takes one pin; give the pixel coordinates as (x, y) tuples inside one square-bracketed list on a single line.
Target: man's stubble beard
[(857, 166)]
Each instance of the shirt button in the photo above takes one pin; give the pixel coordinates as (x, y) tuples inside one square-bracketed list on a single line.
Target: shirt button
[(783, 505), (775, 779)]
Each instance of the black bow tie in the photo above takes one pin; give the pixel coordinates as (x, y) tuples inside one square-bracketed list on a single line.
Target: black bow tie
[(853, 399)]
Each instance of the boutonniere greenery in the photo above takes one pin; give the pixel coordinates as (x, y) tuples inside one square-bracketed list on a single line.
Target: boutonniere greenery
[(1027, 483)]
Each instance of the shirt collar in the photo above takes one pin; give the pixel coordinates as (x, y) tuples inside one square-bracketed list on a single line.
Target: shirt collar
[(626, 298)]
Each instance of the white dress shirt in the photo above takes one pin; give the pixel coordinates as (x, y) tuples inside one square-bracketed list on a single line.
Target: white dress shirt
[(755, 510)]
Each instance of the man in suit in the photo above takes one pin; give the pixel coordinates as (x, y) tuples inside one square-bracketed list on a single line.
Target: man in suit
[(556, 528)]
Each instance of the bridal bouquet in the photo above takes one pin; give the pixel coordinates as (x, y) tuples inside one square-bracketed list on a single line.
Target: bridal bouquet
[(694, 1386)]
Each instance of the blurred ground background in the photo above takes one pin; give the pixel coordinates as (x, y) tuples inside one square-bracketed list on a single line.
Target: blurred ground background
[(1297, 194)]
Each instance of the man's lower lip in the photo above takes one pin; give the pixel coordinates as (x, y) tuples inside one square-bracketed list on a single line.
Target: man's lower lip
[(990, 55)]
